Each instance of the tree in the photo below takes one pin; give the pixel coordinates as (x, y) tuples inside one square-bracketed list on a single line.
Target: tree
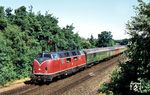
[(21, 45), (137, 68), (86, 44), (6, 65), (24, 34), (122, 42), (92, 41), (104, 39), (3, 22), (2, 13), (21, 18), (8, 12)]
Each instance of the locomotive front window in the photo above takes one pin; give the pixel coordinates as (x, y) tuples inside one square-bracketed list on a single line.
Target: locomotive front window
[(40, 55), (47, 56), (43, 56)]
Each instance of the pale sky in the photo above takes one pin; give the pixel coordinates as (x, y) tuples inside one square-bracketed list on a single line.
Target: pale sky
[(88, 16)]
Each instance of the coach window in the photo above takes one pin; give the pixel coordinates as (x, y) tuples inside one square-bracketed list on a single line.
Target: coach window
[(94, 54)]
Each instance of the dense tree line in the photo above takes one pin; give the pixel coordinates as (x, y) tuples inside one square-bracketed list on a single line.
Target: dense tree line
[(23, 34), (105, 39), (133, 77), (123, 41)]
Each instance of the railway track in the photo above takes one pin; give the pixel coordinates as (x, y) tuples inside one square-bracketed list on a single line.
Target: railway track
[(87, 77), (59, 86)]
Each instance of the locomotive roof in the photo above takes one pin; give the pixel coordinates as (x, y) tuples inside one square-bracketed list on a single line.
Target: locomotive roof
[(62, 54), (62, 51), (65, 51)]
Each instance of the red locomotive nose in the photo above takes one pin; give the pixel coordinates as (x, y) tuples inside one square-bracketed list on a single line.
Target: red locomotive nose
[(39, 68), (41, 63)]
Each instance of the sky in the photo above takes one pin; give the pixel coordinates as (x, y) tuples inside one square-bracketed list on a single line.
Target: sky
[(89, 17)]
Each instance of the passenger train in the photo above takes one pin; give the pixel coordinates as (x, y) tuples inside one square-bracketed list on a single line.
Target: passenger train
[(47, 66)]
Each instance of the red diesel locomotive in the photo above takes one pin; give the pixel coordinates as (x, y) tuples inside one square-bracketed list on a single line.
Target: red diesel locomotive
[(49, 65), (46, 66)]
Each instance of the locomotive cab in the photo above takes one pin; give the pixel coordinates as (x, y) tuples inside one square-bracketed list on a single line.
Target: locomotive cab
[(40, 63), (40, 67)]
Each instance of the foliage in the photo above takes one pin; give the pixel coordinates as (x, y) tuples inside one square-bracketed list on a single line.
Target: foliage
[(122, 42), (86, 44), (92, 41), (137, 69), (24, 34), (105, 39)]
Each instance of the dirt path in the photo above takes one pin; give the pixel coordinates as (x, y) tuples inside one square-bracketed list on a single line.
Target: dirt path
[(13, 85)]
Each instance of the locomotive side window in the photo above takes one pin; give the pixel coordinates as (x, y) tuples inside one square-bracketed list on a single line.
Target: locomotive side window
[(74, 53), (66, 54), (61, 55), (54, 56), (78, 52), (75, 58), (68, 60)]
